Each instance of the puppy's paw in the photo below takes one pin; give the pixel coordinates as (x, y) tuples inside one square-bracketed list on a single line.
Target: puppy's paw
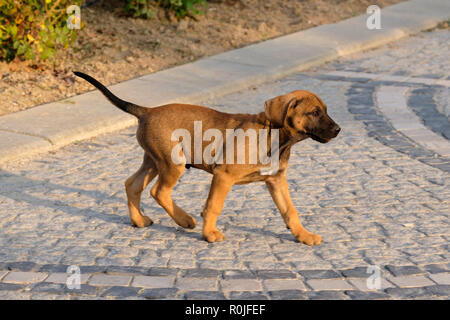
[(142, 222), (186, 221), (213, 236), (309, 238)]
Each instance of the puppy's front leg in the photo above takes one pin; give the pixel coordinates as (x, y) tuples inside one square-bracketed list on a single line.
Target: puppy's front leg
[(279, 190), (220, 186)]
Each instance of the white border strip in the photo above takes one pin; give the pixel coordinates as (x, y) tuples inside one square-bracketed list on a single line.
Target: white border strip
[(392, 103)]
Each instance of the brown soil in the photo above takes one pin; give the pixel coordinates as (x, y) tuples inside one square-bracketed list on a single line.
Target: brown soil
[(114, 48)]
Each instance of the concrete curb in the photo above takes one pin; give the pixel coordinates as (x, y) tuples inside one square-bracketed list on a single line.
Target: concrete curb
[(50, 126)]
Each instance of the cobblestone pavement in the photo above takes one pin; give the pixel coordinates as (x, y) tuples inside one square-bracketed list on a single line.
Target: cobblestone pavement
[(378, 195)]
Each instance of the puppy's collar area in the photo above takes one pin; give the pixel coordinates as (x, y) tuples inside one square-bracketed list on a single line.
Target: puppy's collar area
[(269, 124)]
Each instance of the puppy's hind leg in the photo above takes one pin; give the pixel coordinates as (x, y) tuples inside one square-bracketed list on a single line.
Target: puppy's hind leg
[(134, 186), (162, 193)]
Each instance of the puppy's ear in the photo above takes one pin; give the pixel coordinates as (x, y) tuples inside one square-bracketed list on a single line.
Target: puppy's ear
[(277, 108)]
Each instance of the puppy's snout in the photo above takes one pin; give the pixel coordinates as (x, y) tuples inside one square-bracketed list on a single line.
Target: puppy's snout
[(335, 130)]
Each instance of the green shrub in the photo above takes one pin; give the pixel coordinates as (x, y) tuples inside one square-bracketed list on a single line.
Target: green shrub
[(139, 8), (34, 29), (181, 8)]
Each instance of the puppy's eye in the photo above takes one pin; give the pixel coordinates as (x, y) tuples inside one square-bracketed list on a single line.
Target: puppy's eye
[(315, 113)]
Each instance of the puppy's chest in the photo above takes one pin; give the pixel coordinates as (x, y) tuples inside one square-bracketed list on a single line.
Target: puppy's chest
[(248, 174)]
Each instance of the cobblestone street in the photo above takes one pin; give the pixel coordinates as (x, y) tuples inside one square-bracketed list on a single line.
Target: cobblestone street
[(378, 195)]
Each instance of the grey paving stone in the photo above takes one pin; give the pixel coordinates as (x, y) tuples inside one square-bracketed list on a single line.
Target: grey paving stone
[(327, 295), (411, 281), (119, 291), (49, 287), (85, 289), (364, 110), (367, 116), (93, 269), (204, 295), (319, 274), (441, 278), (19, 277), (200, 273), (401, 73), (364, 86), (159, 293), (15, 295), (364, 295), (238, 274), (288, 295), (357, 79), (329, 284), (431, 76), (21, 266), (127, 270), (153, 282), (196, 284), (360, 100), (403, 270), (61, 289), (362, 285), (11, 286), (444, 167), (275, 274), (438, 290), (357, 272), (331, 77), (162, 272), (50, 268), (109, 280), (436, 268), (63, 277), (246, 295), (240, 285), (284, 284), (406, 293)]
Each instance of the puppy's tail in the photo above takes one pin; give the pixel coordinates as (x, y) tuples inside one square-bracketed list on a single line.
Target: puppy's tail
[(126, 106)]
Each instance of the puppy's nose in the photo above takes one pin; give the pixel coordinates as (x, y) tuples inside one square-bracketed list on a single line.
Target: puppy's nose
[(337, 129)]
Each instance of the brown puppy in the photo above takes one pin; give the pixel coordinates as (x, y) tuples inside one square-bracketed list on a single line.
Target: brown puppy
[(292, 117)]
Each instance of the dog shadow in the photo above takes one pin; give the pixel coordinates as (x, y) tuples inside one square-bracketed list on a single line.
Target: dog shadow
[(180, 232), (16, 187), (286, 237)]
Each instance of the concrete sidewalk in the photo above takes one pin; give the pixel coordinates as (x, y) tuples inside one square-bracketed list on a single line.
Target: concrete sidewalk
[(53, 125)]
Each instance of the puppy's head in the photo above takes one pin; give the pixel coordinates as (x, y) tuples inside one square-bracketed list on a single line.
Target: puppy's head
[(302, 113)]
